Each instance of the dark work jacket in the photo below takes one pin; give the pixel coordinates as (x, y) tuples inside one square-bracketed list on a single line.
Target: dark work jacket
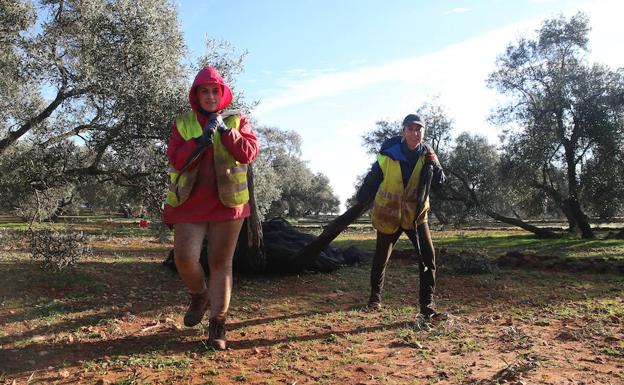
[(395, 148)]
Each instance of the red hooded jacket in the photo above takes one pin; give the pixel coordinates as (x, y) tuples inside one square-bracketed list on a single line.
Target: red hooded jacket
[(203, 205)]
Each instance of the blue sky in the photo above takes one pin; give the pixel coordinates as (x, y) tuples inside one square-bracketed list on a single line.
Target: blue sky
[(329, 69)]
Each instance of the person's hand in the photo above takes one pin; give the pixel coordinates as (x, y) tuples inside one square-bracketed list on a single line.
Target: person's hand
[(221, 124), (208, 130), (215, 122)]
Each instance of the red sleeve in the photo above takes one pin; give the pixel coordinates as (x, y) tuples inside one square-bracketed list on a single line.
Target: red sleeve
[(178, 149), (242, 143)]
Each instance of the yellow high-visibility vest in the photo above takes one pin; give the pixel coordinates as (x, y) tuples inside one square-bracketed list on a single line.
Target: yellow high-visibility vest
[(395, 205), (231, 174)]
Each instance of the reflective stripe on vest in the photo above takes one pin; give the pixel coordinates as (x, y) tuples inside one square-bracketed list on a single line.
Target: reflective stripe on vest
[(231, 174), (395, 205)]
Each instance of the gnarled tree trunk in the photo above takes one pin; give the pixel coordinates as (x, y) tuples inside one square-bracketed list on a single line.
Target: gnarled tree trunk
[(539, 232), (250, 254), (575, 215)]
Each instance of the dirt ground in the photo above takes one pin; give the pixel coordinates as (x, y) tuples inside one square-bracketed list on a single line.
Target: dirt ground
[(117, 319)]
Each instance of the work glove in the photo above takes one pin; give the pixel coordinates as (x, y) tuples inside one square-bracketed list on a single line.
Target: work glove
[(208, 130), (438, 174), (221, 124)]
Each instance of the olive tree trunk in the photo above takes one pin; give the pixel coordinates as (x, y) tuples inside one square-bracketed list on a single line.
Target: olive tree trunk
[(250, 255)]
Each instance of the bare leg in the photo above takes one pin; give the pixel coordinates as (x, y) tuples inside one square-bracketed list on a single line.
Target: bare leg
[(187, 248), (222, 237), (187, 244)]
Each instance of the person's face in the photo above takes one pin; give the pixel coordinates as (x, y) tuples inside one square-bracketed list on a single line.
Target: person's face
[(413, 135), (209, 96)]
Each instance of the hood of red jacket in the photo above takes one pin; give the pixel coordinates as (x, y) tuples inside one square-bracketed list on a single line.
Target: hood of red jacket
[(209, 75)]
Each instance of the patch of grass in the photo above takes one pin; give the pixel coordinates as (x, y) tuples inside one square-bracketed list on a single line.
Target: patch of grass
[(211, 372), (601, 309), (92, 367), (133, 379), (22, 279), (608, 308), (466, 345), (366, 241), (616, 351), (409, 337), (516, 339), (355, 339), (498, 242), (53, 310), (405, 310), (425, 354), (150, 360), (106, 226), (22, 342), (332, 339), (14, 225)]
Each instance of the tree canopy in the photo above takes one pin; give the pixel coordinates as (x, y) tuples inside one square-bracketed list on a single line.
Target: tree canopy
[(106, 76), (567, 135), (296, 190), (88, 91)]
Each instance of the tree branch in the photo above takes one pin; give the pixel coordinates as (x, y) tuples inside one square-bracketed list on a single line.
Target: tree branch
[(539, 232), (73, 132), (13, 136), (580, 157)]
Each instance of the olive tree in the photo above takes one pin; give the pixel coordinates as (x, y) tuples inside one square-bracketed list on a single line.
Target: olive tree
[(476, 186), (437, 132), (103, 77), (98, 83), (288, 186), (566, 128)]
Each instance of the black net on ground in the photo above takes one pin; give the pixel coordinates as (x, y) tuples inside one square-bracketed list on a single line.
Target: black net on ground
[(282, 243)]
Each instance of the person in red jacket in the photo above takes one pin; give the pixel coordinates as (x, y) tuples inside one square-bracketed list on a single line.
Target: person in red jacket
[(208, 151)]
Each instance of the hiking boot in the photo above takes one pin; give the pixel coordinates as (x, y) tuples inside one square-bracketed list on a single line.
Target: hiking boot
[(374, 302), (197, 308), (216, 333), (429, 313)]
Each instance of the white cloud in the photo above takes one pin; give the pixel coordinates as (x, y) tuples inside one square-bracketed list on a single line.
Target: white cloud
[(457, 10), (331, 109), (455, 65)]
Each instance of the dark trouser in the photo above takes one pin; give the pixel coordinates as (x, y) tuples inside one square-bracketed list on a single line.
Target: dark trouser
[(383, 249)]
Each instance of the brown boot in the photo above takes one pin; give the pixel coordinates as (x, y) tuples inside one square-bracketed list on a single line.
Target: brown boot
[(374, 302), (216, 333), (197, 308), (429, 313)]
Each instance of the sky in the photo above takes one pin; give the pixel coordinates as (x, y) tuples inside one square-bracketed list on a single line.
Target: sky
[(329, 69)]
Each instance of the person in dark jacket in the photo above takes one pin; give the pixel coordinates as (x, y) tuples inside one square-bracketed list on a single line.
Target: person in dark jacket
[(399, 183)]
